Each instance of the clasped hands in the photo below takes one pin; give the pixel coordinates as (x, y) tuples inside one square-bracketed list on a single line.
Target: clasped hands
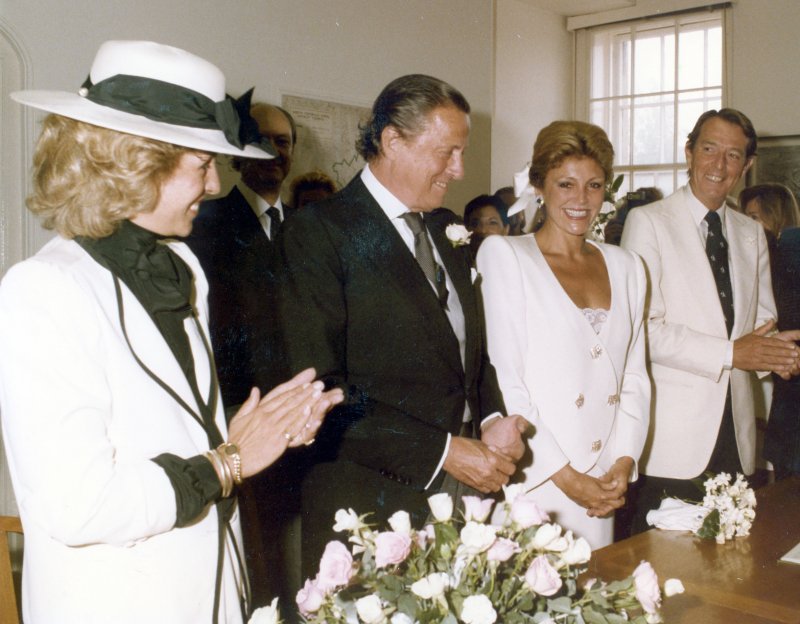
[(487, 464), (599, 495), (286, 417), (763, 350)]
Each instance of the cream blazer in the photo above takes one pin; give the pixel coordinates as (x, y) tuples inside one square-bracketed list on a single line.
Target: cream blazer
[(81, 422), (587, 394), (687, 334)]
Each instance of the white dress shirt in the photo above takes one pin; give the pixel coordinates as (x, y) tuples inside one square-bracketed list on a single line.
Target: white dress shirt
[(259, 205)]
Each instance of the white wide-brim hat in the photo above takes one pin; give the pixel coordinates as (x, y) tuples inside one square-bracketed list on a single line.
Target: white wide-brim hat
[(159, 92)]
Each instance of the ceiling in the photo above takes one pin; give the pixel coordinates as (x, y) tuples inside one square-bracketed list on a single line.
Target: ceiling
[(570, 8)]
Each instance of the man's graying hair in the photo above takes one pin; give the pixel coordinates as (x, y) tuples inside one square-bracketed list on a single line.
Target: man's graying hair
[(405, 104)]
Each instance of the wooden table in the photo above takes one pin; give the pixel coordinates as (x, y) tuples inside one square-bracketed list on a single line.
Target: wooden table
[(739, 582)]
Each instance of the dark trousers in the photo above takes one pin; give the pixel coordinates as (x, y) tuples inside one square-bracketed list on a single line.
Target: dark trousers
[(647, 492)]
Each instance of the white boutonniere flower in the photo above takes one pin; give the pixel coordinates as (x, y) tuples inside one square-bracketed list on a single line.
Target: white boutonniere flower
[(457, 234)]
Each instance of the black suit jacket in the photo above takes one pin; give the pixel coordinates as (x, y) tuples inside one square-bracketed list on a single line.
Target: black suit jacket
[(357, 306), (239, 262), (782, 440)]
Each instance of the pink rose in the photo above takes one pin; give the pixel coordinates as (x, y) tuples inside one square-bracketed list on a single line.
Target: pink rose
[(477, 509), (526, 513), (391, 548), (542, 577), (502, 550), (335, 567), (645, 584), (309, 598)]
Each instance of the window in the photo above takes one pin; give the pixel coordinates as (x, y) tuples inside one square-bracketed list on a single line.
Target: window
[(648, 82)]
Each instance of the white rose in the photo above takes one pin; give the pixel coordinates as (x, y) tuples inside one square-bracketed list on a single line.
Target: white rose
[(370, 610), (400, 522), (431, 586), (578, 551), (673, 586), (512, 491), (477, 537), (457, 234), (478, 610), (266, 615), (441, 506), (546, 535), (346, 521)]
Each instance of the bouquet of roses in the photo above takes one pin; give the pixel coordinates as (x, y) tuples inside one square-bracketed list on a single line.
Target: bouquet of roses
[(522, 570), (732, 508)]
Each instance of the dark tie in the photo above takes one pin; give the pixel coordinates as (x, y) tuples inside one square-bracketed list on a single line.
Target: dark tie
[(274, 222), (717, 252), (424, 254)]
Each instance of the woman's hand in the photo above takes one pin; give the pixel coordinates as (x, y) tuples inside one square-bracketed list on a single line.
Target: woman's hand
[(288, 416), (600, 496)]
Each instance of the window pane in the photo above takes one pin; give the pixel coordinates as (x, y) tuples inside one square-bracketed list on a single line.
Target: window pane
[(654, 60), (614, 117), (662, 180), (653, 129), (690, 106)]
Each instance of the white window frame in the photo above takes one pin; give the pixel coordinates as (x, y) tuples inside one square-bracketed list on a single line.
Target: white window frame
[(673, 172)]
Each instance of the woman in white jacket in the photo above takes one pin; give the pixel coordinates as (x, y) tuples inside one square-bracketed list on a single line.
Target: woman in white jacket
[(123, 466), (564, 331)]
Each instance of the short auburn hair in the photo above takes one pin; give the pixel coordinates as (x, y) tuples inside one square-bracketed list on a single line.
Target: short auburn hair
[(570, 139)]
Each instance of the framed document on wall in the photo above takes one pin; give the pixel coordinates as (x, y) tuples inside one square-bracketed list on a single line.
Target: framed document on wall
[(778, 160)]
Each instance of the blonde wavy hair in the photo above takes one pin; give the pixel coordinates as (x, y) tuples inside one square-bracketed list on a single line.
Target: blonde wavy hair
[(86, 179), (567, 139)]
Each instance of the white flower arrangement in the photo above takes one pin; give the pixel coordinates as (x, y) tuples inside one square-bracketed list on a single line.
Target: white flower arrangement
[(731, 508), (524, 571), (457, 234)]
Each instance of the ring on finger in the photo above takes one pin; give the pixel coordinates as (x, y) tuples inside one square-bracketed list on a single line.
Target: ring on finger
[(289, 437), (309, 442)]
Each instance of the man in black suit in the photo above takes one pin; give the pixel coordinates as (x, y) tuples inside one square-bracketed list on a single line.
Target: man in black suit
[(233, 237), (396, 323)]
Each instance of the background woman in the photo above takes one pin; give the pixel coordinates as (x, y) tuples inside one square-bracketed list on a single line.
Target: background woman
[(564, 331), (122, 464)]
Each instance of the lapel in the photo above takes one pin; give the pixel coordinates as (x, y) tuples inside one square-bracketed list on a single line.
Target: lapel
[(458, 268), (376, 241), (694, 267), (743, 259)]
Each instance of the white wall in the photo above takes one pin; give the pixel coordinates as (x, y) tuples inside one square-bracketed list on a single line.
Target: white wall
[(766, 53), (532, 82), (344, 50)]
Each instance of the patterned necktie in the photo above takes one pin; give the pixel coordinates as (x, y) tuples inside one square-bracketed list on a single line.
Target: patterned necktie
[(717, 252), (274, 222), (424, 254)]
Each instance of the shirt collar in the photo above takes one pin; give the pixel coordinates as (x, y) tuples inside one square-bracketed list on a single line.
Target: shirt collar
[(390, 205), (258, 204), (699, 210)]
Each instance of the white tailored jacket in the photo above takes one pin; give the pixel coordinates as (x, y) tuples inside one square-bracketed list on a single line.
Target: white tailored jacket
[(81, 422), (587, 394), (687, 335)]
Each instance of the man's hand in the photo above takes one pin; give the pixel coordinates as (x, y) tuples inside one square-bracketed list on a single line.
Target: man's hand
[(505, 435), (476, 465), (757, 352)]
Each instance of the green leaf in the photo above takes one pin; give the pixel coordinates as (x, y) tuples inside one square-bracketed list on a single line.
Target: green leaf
[(593, 617), (710, 527), (613, 618), (407, 603), (560, 605)]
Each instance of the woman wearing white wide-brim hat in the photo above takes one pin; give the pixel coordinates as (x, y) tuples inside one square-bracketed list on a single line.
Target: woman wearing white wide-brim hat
[(123, 467)]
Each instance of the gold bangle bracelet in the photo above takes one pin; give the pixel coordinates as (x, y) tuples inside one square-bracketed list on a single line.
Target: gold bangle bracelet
[(223, 472), (229, 449)]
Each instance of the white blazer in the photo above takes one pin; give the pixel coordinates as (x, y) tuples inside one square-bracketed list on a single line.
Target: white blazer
[(81, 423), (586, 394), (687, 336)]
